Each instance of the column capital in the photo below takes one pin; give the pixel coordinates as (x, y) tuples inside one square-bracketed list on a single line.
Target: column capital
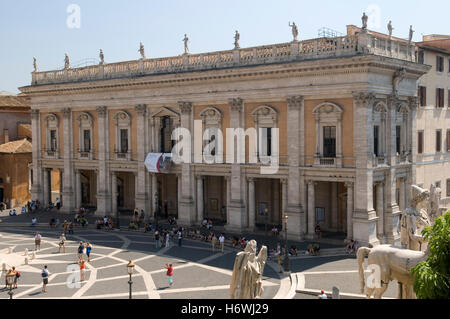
[(66, 112), (295, 102), (34, 114), (349, 184), (413, 102), (311, 182), (141, 109), (227, 178), (363, 98), (102, 111), (186, 107), (283, 180), (236, 104), (250, 179), (200, 177)]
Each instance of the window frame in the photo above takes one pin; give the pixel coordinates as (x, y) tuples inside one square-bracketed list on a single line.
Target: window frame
[(438, 140)]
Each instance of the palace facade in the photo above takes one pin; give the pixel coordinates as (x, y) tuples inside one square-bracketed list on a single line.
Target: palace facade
[(344, 108)]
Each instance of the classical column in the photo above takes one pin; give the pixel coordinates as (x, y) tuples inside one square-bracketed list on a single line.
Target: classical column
[(47, 190), (78, 188), (349, 210), (311, 209), (103, 177), (141, 200), (380, 212), (339, 142), (200, 200), (154, 192), (36, 187), (251, 203), (179, 191), (187, 214), (334, 207), (292, 191), (228, 181), (318, 150), (68, 194), (114, 209), (402, 194)]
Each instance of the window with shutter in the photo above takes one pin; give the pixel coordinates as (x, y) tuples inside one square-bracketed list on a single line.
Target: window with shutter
[(448, 187), (421, 57), (422, 95), (438, 141), (448, 140), (420, 142)]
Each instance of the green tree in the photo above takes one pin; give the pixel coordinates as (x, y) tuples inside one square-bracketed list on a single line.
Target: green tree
[(431, 277)]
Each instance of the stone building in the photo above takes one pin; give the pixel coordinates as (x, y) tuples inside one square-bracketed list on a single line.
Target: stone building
[(433, 116), (341, 110)]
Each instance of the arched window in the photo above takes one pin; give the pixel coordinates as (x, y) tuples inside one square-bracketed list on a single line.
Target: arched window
[(328, 117), (163, 122), (266, 119), (403, 143), (123, 135), (85, 123), (212, 135), (379, 131), (52, 132)]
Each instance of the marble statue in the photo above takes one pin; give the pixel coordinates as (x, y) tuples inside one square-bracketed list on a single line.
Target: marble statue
[(237, 36), (390, 28), (66, 62), (186, 47), (399, 76), (294, 31), (394, 264), (411, 33), (246, 281), (433, 206), (102, 57), (34, 65), (414, 219), (364, 19), (142, 51)]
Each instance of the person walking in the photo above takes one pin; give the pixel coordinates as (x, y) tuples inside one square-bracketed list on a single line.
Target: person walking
[(37, 241), (157, 239), (180, 237), (82, 264), (88, 251), (169, 274), (16, 276), (167, 240), (62, 243), (279, 257), (222, 242), (213, 242), (45, 274), (80, 251)]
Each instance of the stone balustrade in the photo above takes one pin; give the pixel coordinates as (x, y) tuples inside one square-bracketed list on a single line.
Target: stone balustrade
[(268, 54)]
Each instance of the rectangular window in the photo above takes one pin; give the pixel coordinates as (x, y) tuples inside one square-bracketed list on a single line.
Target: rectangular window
[(398, 132), (87, 140), (124, 140), (421, 57), (53, 142), (329, 141), (448, 96), (423, 95), (438, 141), (375, 140), (438, 184), (439, 97), (420, 142), (439, 64), (448, 187), (448, 140)]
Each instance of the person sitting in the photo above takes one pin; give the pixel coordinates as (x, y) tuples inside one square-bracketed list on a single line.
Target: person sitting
[(310, 249), (210, 224), (356, 246), (293, 251), (34, 221), (318, 231), (316, 249), (275, 231), (70, 227), (148, 227), (24, 210), (52, 223), (132, 225), (234, 241), (350, 247), (12, 212), (204, 222)]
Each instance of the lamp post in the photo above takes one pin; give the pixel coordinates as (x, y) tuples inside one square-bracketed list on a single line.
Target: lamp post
[(10, 281), (286, 252), (130, 269)]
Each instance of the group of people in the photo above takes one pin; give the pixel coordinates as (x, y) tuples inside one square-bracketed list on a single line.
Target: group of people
[(207, 223), (12, 272), (314, 249), (162, 238), (352, 247)]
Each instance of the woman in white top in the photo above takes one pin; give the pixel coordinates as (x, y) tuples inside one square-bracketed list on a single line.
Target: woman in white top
[(37, 241), (62, 241), (167, 240)]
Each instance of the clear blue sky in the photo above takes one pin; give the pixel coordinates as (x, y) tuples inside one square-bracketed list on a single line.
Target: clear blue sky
[(38, 28)]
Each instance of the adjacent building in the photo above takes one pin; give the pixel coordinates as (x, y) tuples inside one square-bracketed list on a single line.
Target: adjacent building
[(342, 110)]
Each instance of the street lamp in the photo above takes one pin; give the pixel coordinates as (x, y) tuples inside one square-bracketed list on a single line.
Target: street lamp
[(130, 269), (286, 252), (10, 281)]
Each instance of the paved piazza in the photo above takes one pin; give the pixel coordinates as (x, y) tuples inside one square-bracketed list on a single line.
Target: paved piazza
[(198, 272)]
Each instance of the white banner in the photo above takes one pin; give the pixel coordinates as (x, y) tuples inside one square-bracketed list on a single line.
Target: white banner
[(158, 162)]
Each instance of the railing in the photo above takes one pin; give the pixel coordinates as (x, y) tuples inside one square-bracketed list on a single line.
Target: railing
[(379, 161), (327, 161), (269, 54)]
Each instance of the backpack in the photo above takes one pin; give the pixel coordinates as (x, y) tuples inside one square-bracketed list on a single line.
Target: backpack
[(44, 274), (17, 274)]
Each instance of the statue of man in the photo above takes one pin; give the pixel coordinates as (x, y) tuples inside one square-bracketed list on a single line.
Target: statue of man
[(433, 207), (364, 19), (102, 57), (390, 28), (399, 76), (237, 36), (34, 65), (186, 47), (142, 51), (66, 62), (294, 31), (411, 33), (414, 220)]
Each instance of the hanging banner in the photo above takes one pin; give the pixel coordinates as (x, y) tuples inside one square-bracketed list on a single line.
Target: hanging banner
[(158, 162)]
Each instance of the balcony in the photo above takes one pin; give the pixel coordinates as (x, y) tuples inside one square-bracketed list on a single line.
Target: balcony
[(51, 153), (403, 158), (379, 161), (85, 154), (123, 155), (320, 161)]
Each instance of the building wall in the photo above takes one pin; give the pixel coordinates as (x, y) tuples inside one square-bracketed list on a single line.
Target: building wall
[(9, 119), (16, 166)]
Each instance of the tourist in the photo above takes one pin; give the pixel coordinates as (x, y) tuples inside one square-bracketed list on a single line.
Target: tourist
[(37, 241), (350, 247), (157, 239), (222, 242), (214, 242), (52, 223), (316, 249), (80, 250), (293, 251), (62, 243), (204, 222), (275, 231), (132, 225), (105, 222), (356, 246), (148, 227), (88, 251), (58, 203), (33, 221), (318, 231), (45, 274), (210, 224), (82, 264), (16, 276), (70, 227), (12, 212), (24, 210), (169, 273), (310, 249), (323, 295), (141, 218), (57, 223), (167, 240), (180, 237), (279, 255)]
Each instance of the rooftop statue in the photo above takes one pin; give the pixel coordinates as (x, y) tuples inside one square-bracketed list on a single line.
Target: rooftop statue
[(411, 33), (294, 31), (246, 281), (34, 65), (66, 62), (142, 51), (102, 57), (237, 36), (186, 47), (364, 19), (390, 28)]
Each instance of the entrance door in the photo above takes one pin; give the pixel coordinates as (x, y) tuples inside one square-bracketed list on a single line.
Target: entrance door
[(1, 195)]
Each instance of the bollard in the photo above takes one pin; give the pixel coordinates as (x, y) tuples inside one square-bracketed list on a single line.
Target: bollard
[(26, 252), (26, 260), (33, 256), (335, 294), (10, 250), (3, 267)]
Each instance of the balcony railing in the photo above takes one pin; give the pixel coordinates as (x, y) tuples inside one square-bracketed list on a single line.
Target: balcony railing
[(349, 45)]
